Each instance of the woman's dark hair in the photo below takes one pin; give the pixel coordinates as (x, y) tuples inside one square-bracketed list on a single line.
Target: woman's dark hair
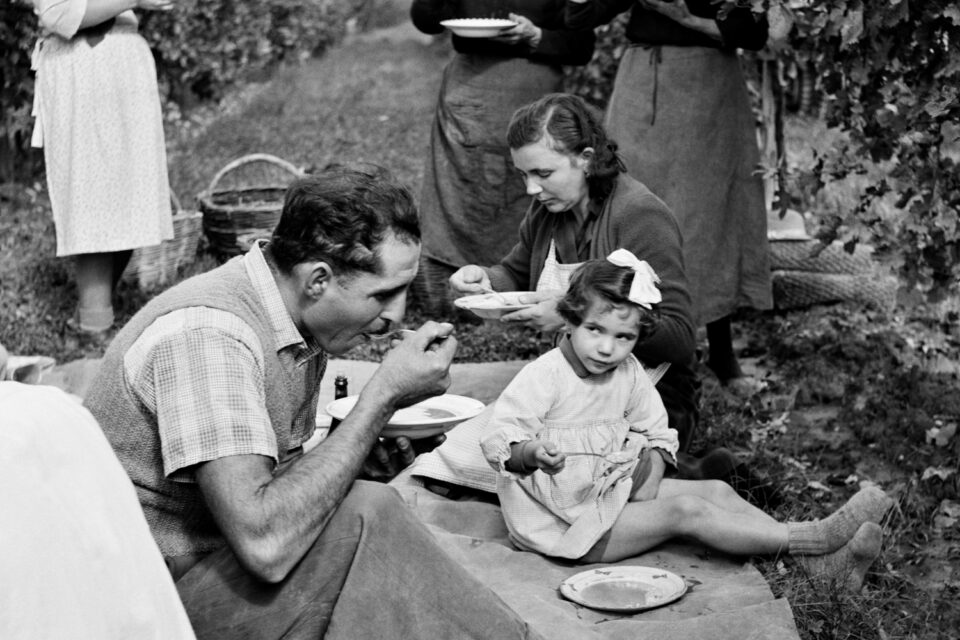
[(573, 126), (602, 282), (340, 216)]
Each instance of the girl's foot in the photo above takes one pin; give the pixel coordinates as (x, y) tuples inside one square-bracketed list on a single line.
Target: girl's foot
[(848, 565), (869, 504)]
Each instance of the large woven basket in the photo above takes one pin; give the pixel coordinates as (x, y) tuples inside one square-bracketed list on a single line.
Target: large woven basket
[(805, 273), (251, 206), (157, 266)]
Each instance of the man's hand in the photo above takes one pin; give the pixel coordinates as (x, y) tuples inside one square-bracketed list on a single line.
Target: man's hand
[(542, 316), (418, 366), (390, 456)]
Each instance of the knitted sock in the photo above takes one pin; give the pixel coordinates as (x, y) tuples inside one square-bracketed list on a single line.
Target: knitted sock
[(848, 565), (823, 536)]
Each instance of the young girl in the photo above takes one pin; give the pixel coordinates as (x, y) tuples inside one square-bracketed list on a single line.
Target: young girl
[(590, 396)]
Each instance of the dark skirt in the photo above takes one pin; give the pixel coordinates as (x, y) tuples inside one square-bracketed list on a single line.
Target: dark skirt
[(683, 121), (472, 199)]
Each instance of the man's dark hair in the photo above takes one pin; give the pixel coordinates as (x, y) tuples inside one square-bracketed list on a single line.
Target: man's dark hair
[(340, 216), (573, 126)]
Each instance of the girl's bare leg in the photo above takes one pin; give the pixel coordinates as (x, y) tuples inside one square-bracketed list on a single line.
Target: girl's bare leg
[(643, 525), (716, 491)]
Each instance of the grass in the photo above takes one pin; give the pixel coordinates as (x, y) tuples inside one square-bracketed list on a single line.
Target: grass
[(851, 396)]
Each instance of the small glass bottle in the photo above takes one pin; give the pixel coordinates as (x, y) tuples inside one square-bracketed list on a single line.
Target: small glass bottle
[(339, 391)]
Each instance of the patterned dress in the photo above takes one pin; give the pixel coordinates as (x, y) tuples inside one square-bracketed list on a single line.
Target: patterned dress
[(553, 399), (98, 119)]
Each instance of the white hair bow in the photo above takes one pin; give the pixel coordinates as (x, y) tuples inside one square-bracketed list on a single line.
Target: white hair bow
[(643, 289)]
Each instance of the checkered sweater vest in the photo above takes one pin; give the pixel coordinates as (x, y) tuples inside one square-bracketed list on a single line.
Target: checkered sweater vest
[(175, 511)]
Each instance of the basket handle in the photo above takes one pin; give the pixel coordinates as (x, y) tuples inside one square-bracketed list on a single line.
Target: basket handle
[(175, 201), (253, 157)]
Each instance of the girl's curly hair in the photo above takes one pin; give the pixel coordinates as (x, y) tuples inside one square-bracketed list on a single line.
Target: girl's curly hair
[(604, 283)]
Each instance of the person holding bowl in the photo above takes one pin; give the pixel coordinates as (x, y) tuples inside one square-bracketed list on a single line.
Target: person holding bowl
[(584, 207), (471, 202)]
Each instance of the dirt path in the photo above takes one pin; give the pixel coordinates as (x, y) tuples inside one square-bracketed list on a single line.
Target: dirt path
[(369, 99)]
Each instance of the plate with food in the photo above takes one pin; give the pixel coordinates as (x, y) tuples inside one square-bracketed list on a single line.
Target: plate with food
[(478, 27), (426, 418), (623, 589), (493, 305)]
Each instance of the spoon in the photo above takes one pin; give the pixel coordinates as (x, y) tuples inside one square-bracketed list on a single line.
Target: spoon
[(613, 457), (497, 295), (396, 334)]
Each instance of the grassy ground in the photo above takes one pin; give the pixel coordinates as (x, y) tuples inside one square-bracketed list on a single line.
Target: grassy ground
[(848, 396)]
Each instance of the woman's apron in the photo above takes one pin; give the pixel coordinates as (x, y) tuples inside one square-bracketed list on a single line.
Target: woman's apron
[(555, 276), (683, 121), (473, 200)]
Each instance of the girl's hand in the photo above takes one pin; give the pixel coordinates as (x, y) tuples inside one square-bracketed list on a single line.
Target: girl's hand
[(524, 33), (546, 456), (542, 316), (470, 279)]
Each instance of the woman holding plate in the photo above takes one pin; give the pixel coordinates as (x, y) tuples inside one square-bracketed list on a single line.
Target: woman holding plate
[(472, 200), (584, 207)]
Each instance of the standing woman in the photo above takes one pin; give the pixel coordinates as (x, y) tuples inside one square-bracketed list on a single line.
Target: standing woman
[(98, 120), (472, 200), (583, 208), (681, 114)]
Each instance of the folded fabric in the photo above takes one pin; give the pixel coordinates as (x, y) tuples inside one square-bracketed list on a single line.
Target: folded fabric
[(459, 459)]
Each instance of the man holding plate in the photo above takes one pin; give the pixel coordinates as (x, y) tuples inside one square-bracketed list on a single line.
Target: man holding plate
[(209, 392)]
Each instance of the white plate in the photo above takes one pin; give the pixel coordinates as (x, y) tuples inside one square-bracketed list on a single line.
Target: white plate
[(492, 305), (623, 589), (429, 417), (477, 27)]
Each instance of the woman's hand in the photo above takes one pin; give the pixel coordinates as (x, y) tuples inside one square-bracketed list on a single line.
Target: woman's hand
[(542, 316), (679, 12), (470, 279), (676, 10), (155, 5), (524, 33)]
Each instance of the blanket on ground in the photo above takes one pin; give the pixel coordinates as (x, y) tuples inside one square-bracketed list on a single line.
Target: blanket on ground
[(727, 598)]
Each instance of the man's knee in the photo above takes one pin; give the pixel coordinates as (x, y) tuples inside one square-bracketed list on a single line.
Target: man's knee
[(371, 501)]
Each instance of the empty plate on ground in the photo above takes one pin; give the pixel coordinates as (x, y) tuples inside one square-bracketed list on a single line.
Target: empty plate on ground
[(427, 418), (493, 305), (623, 589), (477, 27)]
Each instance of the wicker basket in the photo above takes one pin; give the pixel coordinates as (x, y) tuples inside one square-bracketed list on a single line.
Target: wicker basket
[(230, 214), (157, 266)]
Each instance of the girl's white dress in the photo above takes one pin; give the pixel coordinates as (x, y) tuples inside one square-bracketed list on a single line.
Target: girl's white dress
[(98, 120), (555, 399)]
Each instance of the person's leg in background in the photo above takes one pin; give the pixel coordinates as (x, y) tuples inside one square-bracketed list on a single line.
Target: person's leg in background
[(97, 275), (722, 360)]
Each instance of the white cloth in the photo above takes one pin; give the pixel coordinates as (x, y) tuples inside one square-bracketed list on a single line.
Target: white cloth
[(98, 119), (76, 556), (564, 515), (555, 276)]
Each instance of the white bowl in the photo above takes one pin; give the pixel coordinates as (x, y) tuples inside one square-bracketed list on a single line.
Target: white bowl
[(426, 418), (492, 305), (478, 27)]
